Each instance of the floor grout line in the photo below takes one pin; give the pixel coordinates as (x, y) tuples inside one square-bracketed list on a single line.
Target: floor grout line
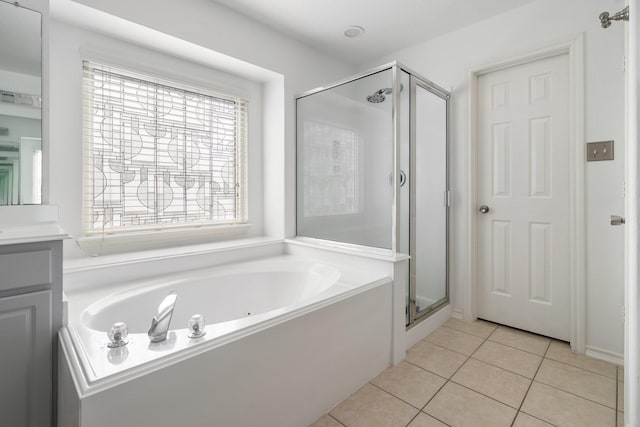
[(505, 369), (426, 370), (337, 420), (485, 395), (537, 418), (531, 384), (414, 417), (453, 374), (393, 395), (447, 380), (582, 369), (450, 349), (468, 333), (575, 395), (518, 348), (531, 380), (518, 410), (501, 368)]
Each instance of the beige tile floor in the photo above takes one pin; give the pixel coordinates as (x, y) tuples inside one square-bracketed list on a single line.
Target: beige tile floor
[(481, 374)]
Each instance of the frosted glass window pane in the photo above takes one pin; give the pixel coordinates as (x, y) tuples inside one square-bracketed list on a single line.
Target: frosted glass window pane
[(332, 175), (159, 154)]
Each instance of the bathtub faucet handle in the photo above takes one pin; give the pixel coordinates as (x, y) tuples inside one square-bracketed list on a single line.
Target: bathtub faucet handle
[(196, 326), (162, 320), (118, 335)]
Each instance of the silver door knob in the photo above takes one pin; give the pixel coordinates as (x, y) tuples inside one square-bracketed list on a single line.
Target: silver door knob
[(617, 220), (484, 209)]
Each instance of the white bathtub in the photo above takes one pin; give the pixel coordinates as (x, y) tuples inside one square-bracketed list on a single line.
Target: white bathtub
[(222, 295), (263, 306)]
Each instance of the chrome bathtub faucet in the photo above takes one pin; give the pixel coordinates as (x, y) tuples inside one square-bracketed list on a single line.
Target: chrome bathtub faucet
[(162, 320)]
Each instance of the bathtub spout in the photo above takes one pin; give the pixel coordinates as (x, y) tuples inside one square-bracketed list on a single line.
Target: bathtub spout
[(161, 321)]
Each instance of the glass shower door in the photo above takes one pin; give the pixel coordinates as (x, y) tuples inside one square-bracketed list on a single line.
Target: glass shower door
[(429, 200), (345, 163)]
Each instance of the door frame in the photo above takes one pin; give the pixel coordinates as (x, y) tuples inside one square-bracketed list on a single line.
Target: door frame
[(632, 211), (574, 48)]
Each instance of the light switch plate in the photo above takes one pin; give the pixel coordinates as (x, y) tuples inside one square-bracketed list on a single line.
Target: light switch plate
[(601, 150)]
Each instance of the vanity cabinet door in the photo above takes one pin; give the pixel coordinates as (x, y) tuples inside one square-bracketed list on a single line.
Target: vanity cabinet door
[(25, 360)]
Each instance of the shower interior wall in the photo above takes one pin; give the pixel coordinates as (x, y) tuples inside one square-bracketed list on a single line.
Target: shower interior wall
[(346, 107)]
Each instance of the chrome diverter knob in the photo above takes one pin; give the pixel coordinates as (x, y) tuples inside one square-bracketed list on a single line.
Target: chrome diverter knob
[(118, 335), (196, 326)]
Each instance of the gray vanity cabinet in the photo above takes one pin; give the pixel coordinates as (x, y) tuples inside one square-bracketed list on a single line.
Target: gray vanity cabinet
[(30, 316)]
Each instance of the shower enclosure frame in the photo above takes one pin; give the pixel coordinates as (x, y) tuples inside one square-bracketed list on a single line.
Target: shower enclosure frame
[(416, 80)]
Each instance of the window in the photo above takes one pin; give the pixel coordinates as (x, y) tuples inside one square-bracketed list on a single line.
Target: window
[(331, 172), (159, 154)]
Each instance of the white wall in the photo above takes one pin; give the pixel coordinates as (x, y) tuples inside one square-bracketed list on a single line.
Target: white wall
[(220, 29), (215, 29), (19, 127), (446, 59), (72, 45)]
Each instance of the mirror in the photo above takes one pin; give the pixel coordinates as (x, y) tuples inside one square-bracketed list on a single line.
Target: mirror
[(20, 105)]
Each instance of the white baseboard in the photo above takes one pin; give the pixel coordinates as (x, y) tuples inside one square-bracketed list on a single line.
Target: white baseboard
[(606, 355), (458, 314), (426, 326)]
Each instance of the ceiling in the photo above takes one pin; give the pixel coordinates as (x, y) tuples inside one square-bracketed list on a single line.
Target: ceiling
[(389, 25)]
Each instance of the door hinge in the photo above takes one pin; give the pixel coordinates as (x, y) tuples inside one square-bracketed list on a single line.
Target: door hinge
[(447, 198), (624, 63)]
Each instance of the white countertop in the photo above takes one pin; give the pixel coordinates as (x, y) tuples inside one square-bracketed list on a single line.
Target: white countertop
[(13, 235), (29, 223)]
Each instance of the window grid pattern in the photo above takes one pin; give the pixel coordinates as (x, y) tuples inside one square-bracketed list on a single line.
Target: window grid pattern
[(160, 154), (332, 172)]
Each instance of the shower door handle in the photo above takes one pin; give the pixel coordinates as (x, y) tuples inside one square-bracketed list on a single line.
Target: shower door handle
[(403, 178), (484, 209)]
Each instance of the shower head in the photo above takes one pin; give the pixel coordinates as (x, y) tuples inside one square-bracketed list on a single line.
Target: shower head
[(379, 95)]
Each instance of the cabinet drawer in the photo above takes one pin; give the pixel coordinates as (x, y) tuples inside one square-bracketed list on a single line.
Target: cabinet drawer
[(22, 269)]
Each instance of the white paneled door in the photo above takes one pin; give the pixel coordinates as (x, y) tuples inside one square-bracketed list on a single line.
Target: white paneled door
[(523, 197)]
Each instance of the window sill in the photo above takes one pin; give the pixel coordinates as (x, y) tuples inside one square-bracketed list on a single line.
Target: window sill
[(101, 244)]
